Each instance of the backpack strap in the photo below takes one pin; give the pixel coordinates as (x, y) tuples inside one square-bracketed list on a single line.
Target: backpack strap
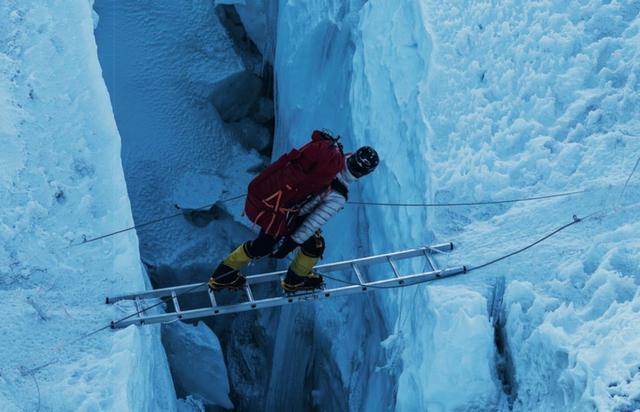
[(340, 187), (319, 135)]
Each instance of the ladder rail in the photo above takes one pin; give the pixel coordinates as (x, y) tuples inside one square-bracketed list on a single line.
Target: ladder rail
[(176, 304), (271, 276), (407, 280)]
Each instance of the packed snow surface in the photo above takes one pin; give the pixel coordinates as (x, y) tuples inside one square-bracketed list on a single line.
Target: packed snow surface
[(61, 179)]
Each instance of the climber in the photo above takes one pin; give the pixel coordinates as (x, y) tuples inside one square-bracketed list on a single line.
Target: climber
[(290, 201)]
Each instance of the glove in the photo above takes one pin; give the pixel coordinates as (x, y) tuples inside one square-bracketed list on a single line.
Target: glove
[(285, 248)]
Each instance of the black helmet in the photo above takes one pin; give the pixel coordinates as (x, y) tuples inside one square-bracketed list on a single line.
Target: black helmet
[(363, 161)]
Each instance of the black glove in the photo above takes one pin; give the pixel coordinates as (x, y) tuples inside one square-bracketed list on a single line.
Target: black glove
[(285, 248)]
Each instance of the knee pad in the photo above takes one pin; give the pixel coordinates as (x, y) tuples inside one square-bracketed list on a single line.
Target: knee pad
[(261, 246), (314, 246)]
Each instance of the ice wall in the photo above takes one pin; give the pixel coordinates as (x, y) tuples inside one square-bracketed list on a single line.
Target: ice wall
[(61, 178)]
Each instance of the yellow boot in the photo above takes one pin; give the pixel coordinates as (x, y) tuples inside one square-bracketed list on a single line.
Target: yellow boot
[(300, 276), (227, 274)]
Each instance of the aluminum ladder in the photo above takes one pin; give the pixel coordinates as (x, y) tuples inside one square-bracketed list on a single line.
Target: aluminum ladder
[(360, 286)]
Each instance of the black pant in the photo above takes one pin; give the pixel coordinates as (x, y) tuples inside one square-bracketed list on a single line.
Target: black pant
[(264, 245)]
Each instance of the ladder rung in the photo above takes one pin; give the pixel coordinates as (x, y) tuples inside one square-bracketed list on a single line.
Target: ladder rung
[(247, 288), (393, 267), (138, 306), (432, 262), (356, 269), (212, 298), (174, 298)]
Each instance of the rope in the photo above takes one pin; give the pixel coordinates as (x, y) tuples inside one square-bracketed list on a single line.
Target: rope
[(626, 183), (494, 261), (35, 380), (542, 239), (485, 202), (151, 222), (491, 262)]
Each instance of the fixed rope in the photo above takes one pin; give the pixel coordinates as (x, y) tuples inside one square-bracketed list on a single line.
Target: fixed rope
[(489, 263), (161, 219), (479, 203), (596, 214), (626, 183)]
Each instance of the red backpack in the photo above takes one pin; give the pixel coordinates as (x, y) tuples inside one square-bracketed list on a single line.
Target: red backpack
[(275, 194)]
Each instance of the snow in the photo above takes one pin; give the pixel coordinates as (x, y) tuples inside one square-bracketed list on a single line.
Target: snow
[(522, 146), (197, 362), (551, 112), (62, 179), (583, 343)]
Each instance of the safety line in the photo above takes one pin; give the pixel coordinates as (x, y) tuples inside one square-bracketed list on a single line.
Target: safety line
[(542, 239), (85, 241), (491, 262), (35, 380), (470, 269), (626, 183), (485, 202), (352, 202)]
